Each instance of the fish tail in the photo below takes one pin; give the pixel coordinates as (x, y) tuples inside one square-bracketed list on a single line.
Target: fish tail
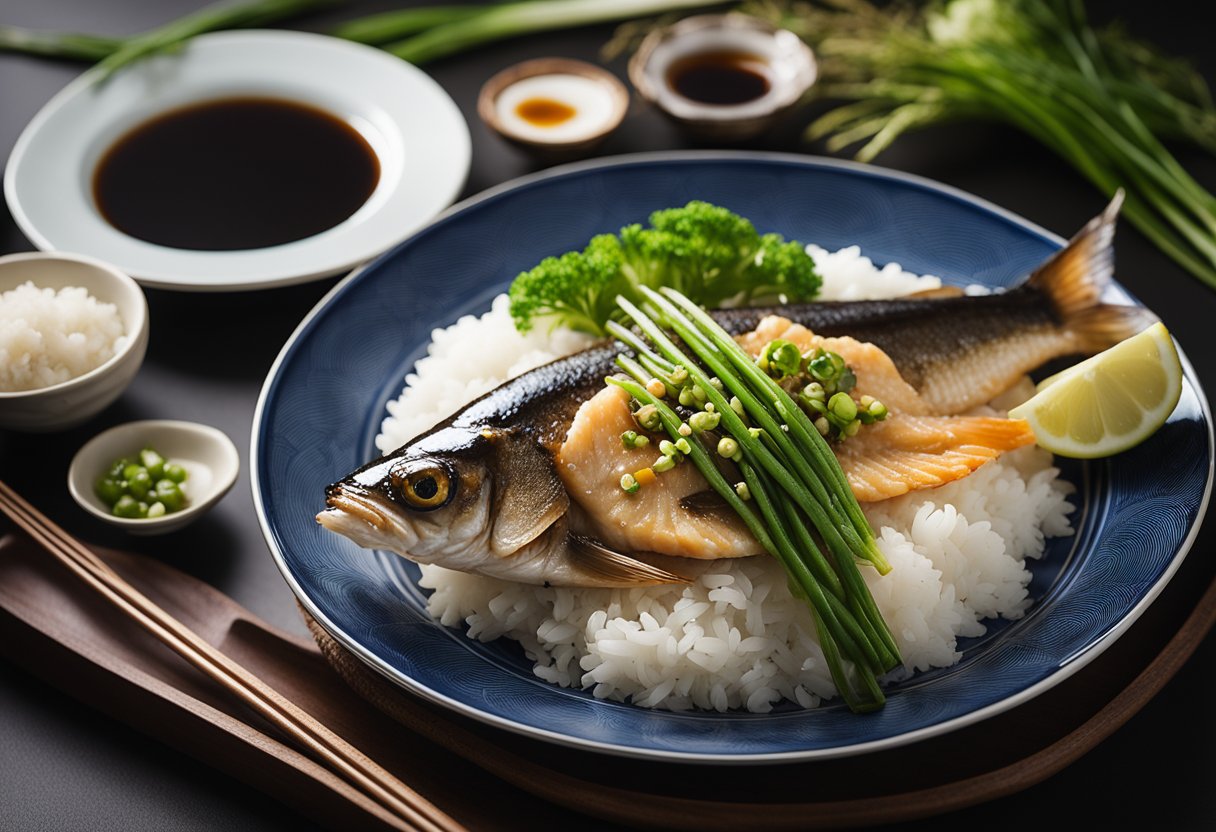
[(1075, 278)]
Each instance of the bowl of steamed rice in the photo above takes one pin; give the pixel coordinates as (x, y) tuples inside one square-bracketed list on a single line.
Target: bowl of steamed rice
[(73, 333)]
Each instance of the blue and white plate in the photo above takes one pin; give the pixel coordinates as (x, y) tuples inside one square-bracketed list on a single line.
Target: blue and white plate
[(324, 399)]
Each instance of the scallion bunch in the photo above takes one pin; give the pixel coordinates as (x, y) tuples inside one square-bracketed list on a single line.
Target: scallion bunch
[(417, 35), (1102, 100), (793, 496)]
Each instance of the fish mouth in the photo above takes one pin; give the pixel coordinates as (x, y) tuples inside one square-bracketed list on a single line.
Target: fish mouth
[(345, 503)]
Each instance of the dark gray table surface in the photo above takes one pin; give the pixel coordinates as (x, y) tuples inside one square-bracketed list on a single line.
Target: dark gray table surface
[(63, 766)]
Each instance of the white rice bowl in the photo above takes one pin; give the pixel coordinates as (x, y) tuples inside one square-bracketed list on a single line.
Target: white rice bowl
[(50, 336), (736, 638)]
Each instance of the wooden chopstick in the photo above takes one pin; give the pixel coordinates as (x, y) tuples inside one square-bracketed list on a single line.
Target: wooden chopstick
[(409, 810)]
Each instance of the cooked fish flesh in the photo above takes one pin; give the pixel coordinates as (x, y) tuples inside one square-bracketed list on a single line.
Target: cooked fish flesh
[(656, 519), (912, 449), (482, 492)]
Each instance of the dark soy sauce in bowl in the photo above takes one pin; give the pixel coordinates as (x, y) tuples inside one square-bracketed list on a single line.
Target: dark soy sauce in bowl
[(234, 174), (720, 78)]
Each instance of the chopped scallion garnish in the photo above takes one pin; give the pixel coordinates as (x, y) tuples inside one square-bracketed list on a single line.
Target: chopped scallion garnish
[(791, 482)]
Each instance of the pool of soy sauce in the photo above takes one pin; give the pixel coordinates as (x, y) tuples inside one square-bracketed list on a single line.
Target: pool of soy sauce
[(720, 77), (235, 173)]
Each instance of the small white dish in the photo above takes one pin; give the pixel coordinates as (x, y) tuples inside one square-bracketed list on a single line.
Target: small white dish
[(595, 100), (415, 129), (72, 402), (790, 71), (208, 455)]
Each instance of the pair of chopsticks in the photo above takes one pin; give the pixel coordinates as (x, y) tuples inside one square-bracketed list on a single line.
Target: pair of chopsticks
[(408, 809)]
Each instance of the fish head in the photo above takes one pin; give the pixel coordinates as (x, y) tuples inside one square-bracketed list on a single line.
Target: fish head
[(456, 497)]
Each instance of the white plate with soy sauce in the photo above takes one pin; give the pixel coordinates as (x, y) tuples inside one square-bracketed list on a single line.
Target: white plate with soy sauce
[(246, 160)]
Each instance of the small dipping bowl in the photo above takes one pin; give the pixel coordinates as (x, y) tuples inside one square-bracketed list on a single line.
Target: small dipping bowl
[(72, 402), (208, 455), (745, 74), (554, 106)]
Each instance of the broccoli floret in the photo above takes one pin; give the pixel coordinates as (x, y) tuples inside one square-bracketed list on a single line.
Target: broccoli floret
[(721, 237), (653, 258), (722, 258), (577, 290), (781, 270), (707, 252)]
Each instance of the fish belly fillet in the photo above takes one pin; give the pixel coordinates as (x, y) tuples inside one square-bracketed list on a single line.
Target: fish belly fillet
[(912, 449)]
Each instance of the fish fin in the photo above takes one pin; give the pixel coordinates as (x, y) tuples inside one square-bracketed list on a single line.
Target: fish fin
[(1075, 278), (707, 503), (528, 493), (616, 569)]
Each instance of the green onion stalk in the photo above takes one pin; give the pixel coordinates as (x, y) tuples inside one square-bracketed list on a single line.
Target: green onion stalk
[(67, 45), (791, 479), (417, 35), (112, 54), (469, 26), (1100, 99), (857, 684), (396, 25), (773, 410), (795, 442)]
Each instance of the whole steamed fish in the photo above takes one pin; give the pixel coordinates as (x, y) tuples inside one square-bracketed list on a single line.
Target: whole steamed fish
[(519, 484)]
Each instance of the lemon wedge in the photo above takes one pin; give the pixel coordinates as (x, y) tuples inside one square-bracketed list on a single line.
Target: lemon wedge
[(1109, 402)]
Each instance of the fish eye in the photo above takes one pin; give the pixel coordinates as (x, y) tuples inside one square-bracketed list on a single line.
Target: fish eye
[(423, 485)]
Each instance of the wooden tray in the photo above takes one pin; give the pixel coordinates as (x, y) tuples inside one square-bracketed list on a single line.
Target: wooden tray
[(52, 625)]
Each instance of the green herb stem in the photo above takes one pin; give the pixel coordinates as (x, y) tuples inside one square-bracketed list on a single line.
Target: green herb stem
[(856, 593), (507, 20), (843, 628), (805, 437), (1100, 99), (736, 427), (391, 26), (857, 685), (207, 19), (629, 339), (809, 444), (773, 466), (77, 47), (113, 53)]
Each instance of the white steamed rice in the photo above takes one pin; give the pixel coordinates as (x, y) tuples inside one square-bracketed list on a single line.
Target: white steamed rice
[(49, 337), (736, 638)]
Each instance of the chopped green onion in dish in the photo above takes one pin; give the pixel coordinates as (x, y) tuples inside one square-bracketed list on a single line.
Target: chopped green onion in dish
[(142, 486)]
